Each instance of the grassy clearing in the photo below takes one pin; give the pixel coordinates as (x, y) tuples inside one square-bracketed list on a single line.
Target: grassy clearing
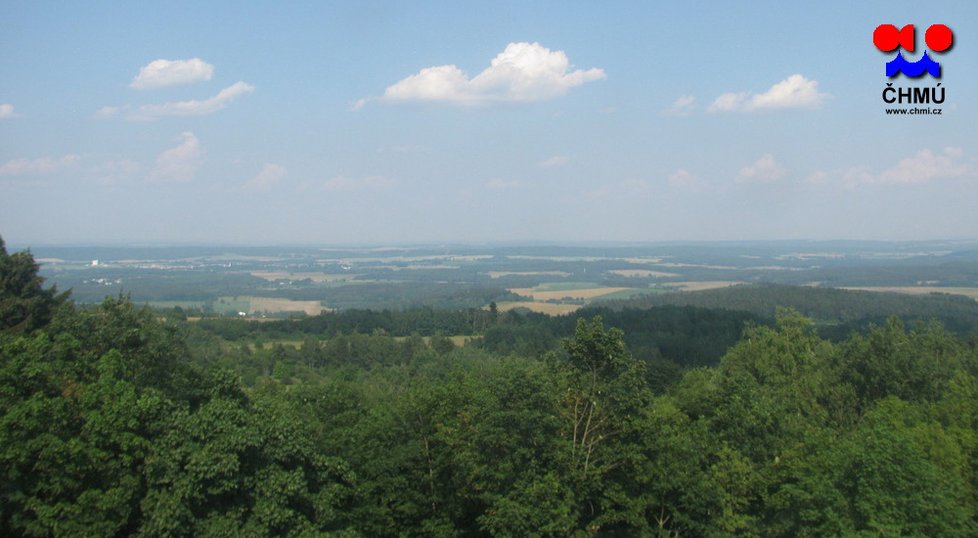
[(270, 305), (920, 290), (231, 305), (550, 309), (273, 305)]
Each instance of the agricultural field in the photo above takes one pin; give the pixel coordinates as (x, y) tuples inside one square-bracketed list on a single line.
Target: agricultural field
[(921, 290), (266, 305), (560, 291), (305, 279)]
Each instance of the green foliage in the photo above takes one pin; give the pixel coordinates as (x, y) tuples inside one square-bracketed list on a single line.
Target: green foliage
[(889, 361), (107, 428), (230, 468), (898, 472), (25, 305), (839, 312), (117, 422)]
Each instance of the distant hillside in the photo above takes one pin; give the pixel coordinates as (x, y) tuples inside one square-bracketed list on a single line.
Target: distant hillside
[(848, 307)]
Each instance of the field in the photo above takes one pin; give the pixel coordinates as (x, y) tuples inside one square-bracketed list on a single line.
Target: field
[(556, 291), (472, 276), (268, 305), (920, 290)]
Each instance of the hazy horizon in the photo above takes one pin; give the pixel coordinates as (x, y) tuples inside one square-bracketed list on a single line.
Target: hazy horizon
[(497, 123)]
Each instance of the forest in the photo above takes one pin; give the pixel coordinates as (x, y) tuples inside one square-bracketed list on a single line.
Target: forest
[(625, 420)]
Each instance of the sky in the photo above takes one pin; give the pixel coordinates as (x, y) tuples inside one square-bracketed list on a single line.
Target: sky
[(329, 123)]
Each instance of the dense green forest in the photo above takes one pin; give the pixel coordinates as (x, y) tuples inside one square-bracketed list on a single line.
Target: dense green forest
[(691, 421), (840, 311)]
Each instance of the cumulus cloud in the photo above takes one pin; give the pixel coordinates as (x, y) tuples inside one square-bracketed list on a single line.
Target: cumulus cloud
[(554, 162), (923, 167), (764, 170), (161, 73), (44, 165), (269, 175), (194, 107), (795, 91), (522, 72), (728, 102), (7, 111), (683, 106), (343, 183), (179, 163)]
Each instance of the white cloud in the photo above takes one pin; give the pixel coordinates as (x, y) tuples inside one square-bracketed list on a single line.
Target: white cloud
[(44, 165), (795, 91), (178, 163), (7, 111), (269, 175), (554, 162), (193, 107), (764, 170), (521, 72), (923, 167), (682, 106), (728, 102), (343, 183), (160, 73)]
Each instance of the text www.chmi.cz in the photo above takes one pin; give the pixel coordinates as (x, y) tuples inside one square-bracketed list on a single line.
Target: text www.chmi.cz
[(914, 111)]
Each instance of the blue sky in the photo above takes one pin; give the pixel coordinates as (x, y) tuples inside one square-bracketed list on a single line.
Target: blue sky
[(400, 122)]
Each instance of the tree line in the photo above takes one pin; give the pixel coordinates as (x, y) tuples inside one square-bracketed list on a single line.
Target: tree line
[(117, 421)]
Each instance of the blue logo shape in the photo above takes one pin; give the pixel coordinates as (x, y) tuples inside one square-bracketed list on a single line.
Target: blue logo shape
[(913, 69)]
